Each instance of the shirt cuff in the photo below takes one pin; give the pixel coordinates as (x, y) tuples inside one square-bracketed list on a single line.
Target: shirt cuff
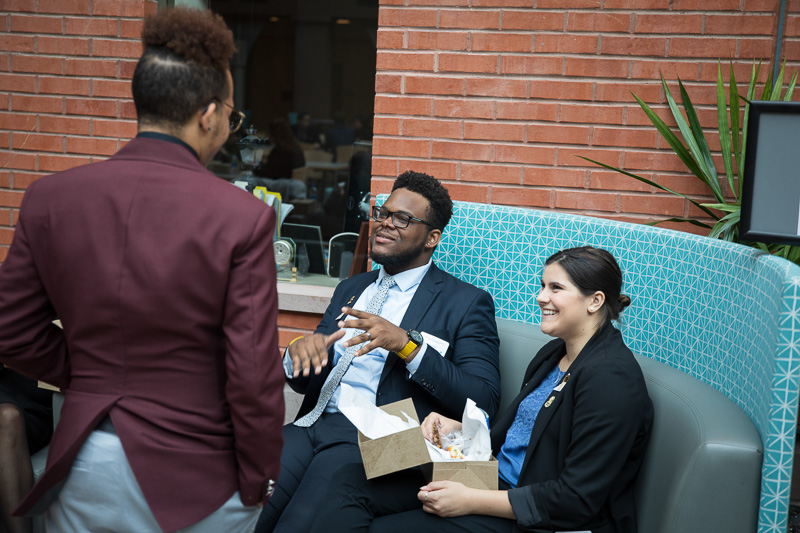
[(414, 364), (288, 367)]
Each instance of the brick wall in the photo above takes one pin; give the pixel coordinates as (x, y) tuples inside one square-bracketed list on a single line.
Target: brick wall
[(65, 97), (498, 97)]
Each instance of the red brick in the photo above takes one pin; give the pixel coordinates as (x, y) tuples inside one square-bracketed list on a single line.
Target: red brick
[(442, 170), (64, 85), (597, 114), (586, 201), (652, 204), (23, 180), (38, 64), (62, 46), (636, 4), (533, 20), (401, 147), (126, 69), (565, 44), (390, 60), (670, 23), (116, 48), (75, 7), (614, 181), (634, 46), (17, 83), (57, 163), (463, 108), (118, 8), (741, 24), (701, 47), (490, 173), (527, 111), (758, 48), (559, 134), (17, 121), (621, 92), (36, 104), (602, 22), (39, 143), (472, 19), (516, 153), (463, 151), (5, 62), (791, 26), (684, 183), (570, 156), (390, 39), (706, 5), (643, 69), (493, 131), (497, 87), (554, 177), (562, 4), (635, 138), (16, 43), (91, 145), (11, 198), (449, 62), (382, 166), (5, 183), (35, 24), (131, 29), (449, 129), (5, 139), (502, 3), (501, 42), (114, 128), (91, 67), (434, 85), (388, 83), (419, 18), (61, 124), (127, 109), (517, 196), (561, 90), (468, 193), (463, 3), (3, 253), (83, 106), (3, 101), (6, 235), (532, 65), (596, 67), (656, 161), (635, 116), (19, 5), (91, 26), (113, 88), (401, 105), (386, 126)]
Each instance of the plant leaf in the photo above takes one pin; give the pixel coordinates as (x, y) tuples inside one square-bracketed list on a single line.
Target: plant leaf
[(686, 220), (735, 131), (699, 148), (728, 208), (751, 91), (653, 184), (788, 96), (778, 86), (724, 130)]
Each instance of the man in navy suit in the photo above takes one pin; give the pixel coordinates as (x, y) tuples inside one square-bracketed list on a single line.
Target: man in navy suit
[(428, 336)]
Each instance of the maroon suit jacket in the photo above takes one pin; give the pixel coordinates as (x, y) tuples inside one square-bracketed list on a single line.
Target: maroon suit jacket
[(164, 279)]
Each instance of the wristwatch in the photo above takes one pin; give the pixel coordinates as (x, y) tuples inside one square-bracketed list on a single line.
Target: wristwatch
[(414, 340)]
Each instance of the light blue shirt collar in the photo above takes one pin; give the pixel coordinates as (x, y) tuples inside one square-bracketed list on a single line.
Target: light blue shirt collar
[(407, 279)]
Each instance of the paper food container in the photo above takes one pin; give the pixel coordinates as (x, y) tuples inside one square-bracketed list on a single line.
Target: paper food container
[(407, 449)]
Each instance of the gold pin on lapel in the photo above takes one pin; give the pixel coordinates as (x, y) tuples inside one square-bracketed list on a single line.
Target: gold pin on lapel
[(549, 401), (341, 316)]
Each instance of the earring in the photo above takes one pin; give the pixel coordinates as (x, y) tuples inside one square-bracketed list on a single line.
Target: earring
[(208, 128)]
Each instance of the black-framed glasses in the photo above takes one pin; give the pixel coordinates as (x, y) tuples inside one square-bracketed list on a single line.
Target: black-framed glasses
[(236, 117), (399, 220)]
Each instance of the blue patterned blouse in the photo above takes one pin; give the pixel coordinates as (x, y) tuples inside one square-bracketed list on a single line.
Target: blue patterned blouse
[(512, 454)]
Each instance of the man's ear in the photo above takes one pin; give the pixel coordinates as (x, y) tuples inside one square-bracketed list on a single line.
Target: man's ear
[(205, 116), (434, 236)]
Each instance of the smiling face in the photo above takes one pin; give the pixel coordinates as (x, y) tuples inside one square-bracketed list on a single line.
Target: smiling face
[(400, 249), (566, 312)]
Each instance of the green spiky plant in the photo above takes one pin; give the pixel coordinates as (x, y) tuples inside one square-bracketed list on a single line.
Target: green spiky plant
[(696, 154)]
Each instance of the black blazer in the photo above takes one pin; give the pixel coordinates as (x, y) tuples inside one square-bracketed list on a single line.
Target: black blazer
[(586, 447), (448, 308)]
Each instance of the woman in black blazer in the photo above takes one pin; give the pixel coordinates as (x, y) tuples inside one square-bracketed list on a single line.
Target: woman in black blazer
[(569, 446)]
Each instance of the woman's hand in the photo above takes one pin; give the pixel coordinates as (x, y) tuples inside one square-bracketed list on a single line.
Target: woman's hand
[(446, 425), (447, 498)]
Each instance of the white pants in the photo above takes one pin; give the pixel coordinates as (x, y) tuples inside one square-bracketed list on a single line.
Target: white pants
[(101, 495)]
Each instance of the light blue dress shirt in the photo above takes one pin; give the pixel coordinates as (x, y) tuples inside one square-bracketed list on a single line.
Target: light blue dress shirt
[(365, 371)]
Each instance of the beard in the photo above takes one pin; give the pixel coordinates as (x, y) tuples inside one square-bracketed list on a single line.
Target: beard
[(398, 260)]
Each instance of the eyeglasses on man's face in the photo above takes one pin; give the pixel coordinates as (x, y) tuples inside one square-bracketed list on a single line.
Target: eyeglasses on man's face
[(236, 117), (399, 220)]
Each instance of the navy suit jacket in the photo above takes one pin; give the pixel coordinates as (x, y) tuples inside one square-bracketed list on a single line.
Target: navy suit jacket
[(587, 445), (164, 279), (449, 309)]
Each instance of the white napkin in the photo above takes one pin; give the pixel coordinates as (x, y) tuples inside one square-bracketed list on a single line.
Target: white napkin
[(369, 419)]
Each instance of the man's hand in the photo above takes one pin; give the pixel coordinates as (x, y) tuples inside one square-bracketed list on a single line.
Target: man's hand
[(312, 352), (378, 332)]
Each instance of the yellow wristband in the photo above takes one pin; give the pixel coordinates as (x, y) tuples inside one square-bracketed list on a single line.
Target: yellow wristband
[(295, 339)]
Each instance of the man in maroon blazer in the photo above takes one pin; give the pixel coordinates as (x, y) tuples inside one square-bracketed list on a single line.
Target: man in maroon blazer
[(164, 280)]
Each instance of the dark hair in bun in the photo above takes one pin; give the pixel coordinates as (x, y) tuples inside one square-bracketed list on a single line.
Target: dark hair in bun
[(591, 270)]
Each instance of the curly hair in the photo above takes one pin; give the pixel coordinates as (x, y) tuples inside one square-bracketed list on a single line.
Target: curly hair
[(184, 65), (440, 207)]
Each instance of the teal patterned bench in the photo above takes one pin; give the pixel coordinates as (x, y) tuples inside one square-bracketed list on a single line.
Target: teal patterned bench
[(727, 314)]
